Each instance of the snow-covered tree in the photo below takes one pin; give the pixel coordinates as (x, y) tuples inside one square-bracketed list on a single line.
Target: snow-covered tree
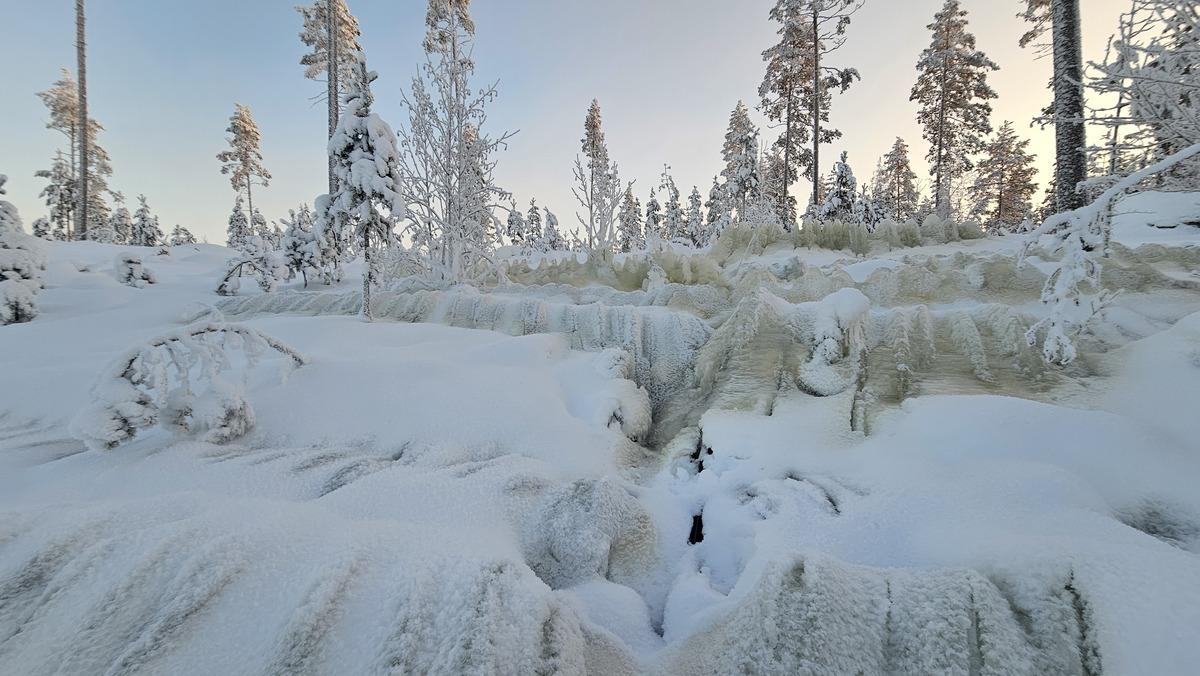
[(740, 153), (773, 172), (868, 210), (1070, 137), (239, 226), (514, 226), (953, 95), (842, 193), (104, 233), (630, 235), (331, 34), (258, 261), (181, 236), (718, 209), (654, 218), (696, 231), (552, 236), (447, 159), (1004, 183), (300, 246), (1152, 74), (534, 237), (243, 162), (896, 183), (598, 186), (367, 168), (42, 228), (270, 234), (798, 86), (21, 266), (59, 192), (145, 230), (674, 220), (63, 104), (121, 221)]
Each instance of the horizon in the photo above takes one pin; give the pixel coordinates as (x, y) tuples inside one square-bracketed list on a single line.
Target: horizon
[(679, 83)]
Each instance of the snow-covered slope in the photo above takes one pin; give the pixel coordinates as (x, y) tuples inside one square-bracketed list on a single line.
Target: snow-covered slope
[(793, 462)]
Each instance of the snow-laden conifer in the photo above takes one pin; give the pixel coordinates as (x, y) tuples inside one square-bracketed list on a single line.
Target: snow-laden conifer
[(22, 264), (953, 98), (145, 230), (1004, 181), (367, 167), (243, 161)]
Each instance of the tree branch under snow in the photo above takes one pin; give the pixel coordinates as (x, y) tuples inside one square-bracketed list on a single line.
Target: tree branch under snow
[(1077, 234), (154, 383)]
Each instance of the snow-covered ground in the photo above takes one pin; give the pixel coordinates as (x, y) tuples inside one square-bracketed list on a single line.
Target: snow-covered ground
[(780, 461)]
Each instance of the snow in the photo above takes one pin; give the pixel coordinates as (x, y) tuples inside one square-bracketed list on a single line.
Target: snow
[(799, 462), (1157, 218)]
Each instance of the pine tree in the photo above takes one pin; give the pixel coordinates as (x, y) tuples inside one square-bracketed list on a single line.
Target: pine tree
[(331, 33), (740, 154), (301, 249), (447, 160), (839, 200), (243, 162), (696, 232), (598, 188), (654, 218), (674, 220), (630, 237), (953, 96), (239, 226), (515, 226), (367, 167), (798, 86), (1070, 137), (120, 222), (62, 102), (104, 232), (774, 172), (181, 236), (534, 237), (896, 183), (718, 210), (145, 230), (21, 266), (553, 237), (1005, 186), (59, 193), (42, 228)]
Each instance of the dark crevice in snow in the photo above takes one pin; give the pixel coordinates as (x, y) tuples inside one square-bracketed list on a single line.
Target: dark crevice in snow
[(1089, 650), (697, 533), (1163, 521)]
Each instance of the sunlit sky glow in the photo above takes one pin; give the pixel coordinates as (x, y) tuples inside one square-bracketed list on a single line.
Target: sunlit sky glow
[(164, 75)]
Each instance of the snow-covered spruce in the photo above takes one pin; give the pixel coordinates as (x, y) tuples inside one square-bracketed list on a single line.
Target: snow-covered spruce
[(174, 381), (258, 261), (131, 272), (22, 263)]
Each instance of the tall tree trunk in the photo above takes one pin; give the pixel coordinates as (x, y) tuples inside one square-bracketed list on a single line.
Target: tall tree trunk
[(365, 313), (816, 113), (331, 58), (250, 206), (81, 205), (787, 157), (1070, 137)]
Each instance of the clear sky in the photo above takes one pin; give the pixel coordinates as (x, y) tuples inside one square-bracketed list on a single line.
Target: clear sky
[(163, 76)]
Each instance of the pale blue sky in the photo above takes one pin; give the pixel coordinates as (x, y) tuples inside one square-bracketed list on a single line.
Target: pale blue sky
[(164, 75)]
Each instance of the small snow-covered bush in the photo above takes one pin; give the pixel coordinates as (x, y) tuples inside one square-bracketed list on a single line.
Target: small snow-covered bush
[(175, 381), (131, 272), (860, 239), (970, 230), (21, 266), (257, 260)]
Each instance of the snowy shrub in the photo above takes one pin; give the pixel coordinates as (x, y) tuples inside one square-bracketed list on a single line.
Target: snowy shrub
[(257, 260), (301, 245), (834, 235), (970, 230), (175, 381), (21, 266), (860, 239), (130, 271), (909, 234)]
